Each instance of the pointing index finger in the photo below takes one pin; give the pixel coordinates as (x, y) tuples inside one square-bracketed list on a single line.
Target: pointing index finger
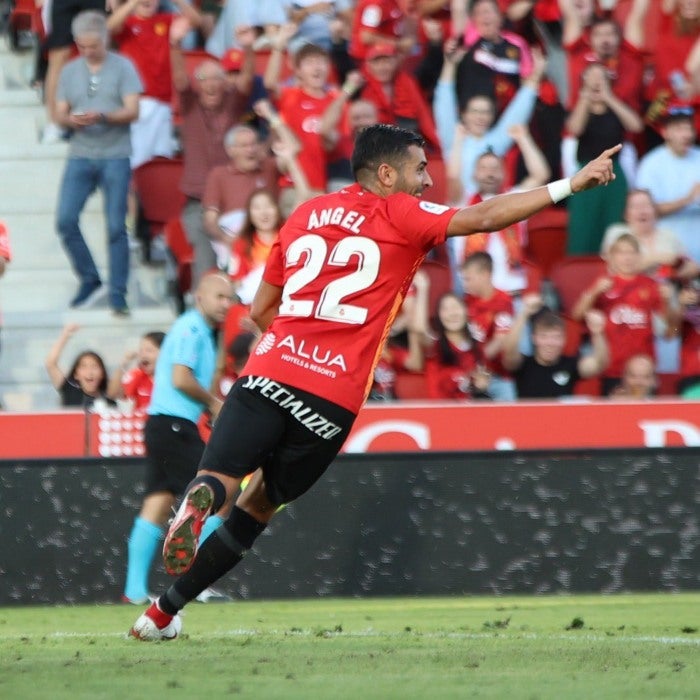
[(611, 151)]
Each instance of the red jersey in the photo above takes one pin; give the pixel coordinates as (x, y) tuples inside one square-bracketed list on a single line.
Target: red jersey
[(625, 71), (690, 342), (302, 113), (629, 305), (382, 17), (489, 318), (344, 261), (146, 41), (451, 381), (138, 386)]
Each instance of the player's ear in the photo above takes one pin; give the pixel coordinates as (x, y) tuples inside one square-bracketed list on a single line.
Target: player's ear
[(386, 175)]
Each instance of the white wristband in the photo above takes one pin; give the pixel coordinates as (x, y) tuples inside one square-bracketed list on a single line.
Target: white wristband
[(559, 189)]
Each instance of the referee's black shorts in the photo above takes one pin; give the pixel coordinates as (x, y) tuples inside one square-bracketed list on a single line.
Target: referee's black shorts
[(173, 450), (291, 434)]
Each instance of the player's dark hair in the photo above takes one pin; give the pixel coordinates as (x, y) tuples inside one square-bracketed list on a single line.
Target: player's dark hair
[(382, 143), (481, 259)]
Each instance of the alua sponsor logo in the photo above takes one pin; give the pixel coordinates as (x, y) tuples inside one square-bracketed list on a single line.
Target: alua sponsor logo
[(312, 353)]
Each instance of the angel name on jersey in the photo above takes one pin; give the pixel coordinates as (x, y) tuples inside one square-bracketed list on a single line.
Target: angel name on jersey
[(350, 220)]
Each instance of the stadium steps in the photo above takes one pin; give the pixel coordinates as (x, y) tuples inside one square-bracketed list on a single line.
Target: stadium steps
[(38, 284)]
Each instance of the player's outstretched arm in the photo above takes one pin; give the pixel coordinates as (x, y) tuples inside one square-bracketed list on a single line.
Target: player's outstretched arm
[(503, 210)]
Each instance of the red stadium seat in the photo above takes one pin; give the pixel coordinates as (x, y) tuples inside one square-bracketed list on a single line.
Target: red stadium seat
[(668, 381), (157, 185), (410, 385), (533, 276), (438, 174), (440, 278), (546, 237), (183, 257), (24, 17), (572, 275)]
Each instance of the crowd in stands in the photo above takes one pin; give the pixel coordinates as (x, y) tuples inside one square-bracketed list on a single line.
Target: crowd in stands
[(260, 101)]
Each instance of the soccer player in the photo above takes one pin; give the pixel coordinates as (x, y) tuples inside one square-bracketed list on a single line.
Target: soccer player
[(334, 281)]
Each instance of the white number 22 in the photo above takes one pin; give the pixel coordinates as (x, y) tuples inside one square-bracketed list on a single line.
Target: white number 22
[(356, 250)]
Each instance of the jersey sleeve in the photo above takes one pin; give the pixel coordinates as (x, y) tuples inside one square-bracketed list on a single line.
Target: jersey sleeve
[(187, 347), (274, 267), (422, 222)]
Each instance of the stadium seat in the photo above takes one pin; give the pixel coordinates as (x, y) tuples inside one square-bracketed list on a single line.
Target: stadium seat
[(411, 385), (157, 187), (183, 257), (440, 282), (668, 382), (546, 237), (589, 387), (572, 275), (533, 276), (25, 18), (438, 174)]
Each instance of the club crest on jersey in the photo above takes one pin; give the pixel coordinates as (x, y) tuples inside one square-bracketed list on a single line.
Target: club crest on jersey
[(432, 207)]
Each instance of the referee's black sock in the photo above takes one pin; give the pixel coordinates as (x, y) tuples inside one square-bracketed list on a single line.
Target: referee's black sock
[(220, 552)]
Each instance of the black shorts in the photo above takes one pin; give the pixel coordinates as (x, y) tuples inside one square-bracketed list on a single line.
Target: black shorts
[(62, 15), (173, 450), (291, 434)]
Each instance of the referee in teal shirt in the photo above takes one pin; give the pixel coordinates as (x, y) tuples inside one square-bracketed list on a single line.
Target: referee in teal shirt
[(181, 392)]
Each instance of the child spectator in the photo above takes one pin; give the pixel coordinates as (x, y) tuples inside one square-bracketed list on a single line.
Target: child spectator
[(86, 380), (629, 301), (639, 380), (455, 366), (599, 120), (301, 108), (133, 381), (490, 313), (548, 373)]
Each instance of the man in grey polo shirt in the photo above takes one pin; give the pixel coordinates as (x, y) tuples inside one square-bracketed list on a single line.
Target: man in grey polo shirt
[(97, 99)]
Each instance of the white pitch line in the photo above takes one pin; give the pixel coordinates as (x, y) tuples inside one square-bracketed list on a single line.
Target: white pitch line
[(467, 636)]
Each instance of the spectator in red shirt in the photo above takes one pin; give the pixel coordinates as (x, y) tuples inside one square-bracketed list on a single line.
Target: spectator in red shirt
[(379, 22), (602, 40), (301, 108), (142, 33), (677, 41), (686, 324), (490, 312), (396, 94), (133, 379), (455, 367), (629, 300)]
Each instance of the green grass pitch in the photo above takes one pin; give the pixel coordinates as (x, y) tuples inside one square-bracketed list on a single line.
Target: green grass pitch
[(622, 646)]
